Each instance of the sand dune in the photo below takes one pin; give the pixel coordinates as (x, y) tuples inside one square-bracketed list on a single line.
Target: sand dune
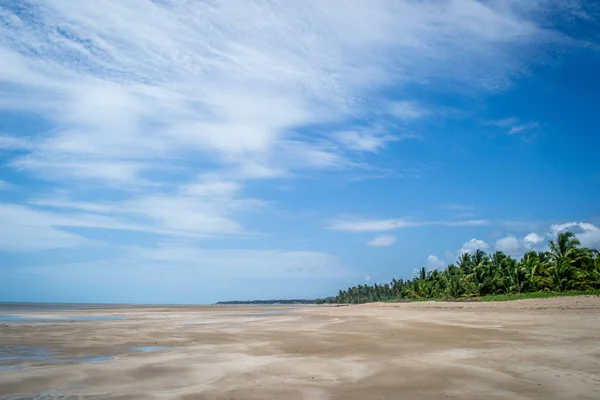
[(531, 349)]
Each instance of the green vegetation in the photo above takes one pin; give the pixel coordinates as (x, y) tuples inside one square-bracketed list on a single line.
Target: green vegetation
[(566, 269), (539, 295)]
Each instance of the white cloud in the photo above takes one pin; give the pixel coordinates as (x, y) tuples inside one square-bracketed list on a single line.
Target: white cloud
[(367, 278), (226, 88), (514, 125), (517, 246), (11, 143), (558, 228), (524, 127), (533, 238), (190, 78), (363, 139), (434, 262), (27, 230), (204, 208), (407, 110), (382, 225), (510, 245), (382, 241), (365, 225), (470, 246), (590, 237), (588, 234)]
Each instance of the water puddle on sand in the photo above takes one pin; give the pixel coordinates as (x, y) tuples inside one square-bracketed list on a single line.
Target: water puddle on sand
[(13, 356), (95, 359), (10, 367), (23, 353), (18, 357), (21, 318), (147, 349)]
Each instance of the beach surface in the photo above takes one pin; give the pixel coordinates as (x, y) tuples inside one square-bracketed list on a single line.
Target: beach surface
[(527, 349)]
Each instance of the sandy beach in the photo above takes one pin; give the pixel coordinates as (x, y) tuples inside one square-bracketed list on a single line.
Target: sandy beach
[(529, 349)]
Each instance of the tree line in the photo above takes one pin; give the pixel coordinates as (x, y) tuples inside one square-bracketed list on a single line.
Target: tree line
[(565, 266)]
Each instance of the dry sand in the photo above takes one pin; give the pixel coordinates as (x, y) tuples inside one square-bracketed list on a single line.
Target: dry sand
[(530, 349)]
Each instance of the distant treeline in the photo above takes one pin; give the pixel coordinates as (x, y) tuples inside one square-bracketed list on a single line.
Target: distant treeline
[(566, 266), (252, 302)]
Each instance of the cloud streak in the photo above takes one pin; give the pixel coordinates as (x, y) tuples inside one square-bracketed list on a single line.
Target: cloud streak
[(198, 79), (382, 225), (382, 241)]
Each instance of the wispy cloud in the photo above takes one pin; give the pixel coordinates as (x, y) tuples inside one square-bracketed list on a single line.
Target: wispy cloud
[(382, 225), (12, 143), (408, 110), (204, 208), (371, 140), (382, 241), (366, 225), (240, 91), (207, 81), (514, 126), (434, 262), (24, 229), (524, 127)]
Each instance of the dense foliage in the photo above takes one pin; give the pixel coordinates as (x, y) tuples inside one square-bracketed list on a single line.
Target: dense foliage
[(565, 266)]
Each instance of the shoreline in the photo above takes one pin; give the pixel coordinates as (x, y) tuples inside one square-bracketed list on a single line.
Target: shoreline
[(529, 348)]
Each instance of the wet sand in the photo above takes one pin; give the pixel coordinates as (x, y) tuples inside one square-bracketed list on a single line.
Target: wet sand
[(530, 349)]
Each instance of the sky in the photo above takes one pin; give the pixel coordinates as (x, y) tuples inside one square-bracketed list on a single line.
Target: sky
[(175, 151)]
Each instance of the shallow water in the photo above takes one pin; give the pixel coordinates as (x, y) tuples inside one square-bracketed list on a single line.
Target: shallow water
[(23, 353), (20, 318), (10, 367), (14, 355), (95, 359), (59, 306)]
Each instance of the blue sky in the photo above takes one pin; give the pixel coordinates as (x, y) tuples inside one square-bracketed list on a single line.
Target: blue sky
[(190, 152)]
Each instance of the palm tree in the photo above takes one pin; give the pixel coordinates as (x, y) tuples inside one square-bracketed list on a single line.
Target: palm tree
[(588, 274), (566, 266), (465, 263), (565, 248), (535, 270), (564, 254)]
